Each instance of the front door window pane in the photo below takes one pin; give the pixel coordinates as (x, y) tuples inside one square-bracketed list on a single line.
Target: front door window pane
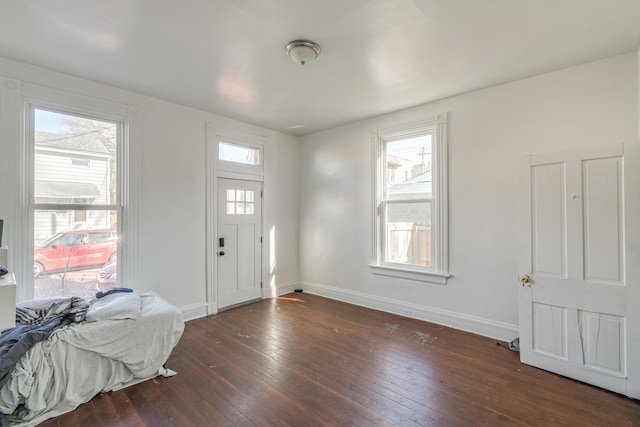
[(240, 202)]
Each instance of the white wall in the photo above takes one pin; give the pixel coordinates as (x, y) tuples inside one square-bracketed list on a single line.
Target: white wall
[(282, 171), (489, 131), (329, 190), (171, 205)]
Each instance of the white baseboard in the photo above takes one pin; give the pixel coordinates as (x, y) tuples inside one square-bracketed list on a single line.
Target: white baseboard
[(477, 325), (193, 311), (281, 289), (212, 309)]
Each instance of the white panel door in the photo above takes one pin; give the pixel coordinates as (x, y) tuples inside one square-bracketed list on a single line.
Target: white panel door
[(239, 241), (573, 290)]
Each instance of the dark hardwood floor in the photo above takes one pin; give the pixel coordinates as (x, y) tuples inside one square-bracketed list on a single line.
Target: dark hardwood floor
[(303, 360)]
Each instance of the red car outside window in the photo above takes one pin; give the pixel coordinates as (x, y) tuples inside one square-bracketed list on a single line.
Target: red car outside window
[(75, 249)]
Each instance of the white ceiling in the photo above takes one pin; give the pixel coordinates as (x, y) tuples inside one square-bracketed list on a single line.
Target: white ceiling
[(227, 56)]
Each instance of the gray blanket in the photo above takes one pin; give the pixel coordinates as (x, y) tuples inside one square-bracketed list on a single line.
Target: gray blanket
[(82, 359), (33, 326)]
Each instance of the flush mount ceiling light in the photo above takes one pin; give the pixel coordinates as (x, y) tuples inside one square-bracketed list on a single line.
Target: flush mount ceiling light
[(302, 51)]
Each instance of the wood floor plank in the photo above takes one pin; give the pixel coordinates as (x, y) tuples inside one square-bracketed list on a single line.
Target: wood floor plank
[(306, 360), (297, 382), (321, 376), (126, 411)]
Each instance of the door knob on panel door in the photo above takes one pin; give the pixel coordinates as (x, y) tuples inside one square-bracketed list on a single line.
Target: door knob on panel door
[(221, 253), (524, 278)]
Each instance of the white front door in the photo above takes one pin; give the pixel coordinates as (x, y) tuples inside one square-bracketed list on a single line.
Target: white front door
[(239, 241), (574, 284)]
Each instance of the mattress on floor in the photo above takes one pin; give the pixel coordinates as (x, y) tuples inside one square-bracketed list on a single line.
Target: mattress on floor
[(83, 359)]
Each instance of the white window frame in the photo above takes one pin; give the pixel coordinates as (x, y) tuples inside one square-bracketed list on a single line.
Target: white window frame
[(438, 272), (128, 119), (232, 143), (240, 139)]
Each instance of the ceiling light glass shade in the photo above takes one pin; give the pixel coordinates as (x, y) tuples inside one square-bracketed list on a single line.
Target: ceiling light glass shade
[(302, 51)]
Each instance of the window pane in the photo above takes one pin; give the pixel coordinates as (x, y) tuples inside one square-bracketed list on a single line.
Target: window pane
[(231, 195), (408, 233), (411, 166), (75, 163), (240, 208), (231, 208), (248, 209), (249, 195), (238, 154), (408, 168), (241, 195), (72, 258), (61, 140)]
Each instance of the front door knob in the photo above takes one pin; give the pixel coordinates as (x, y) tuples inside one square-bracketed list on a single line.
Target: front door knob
[(221, 253), (525, 278)]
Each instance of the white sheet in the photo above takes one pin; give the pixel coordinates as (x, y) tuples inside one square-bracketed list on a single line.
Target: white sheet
[(121, 305), (81, 360)]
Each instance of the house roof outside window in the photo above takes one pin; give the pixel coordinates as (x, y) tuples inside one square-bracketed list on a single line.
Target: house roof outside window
[(83, 142), (420, 186)]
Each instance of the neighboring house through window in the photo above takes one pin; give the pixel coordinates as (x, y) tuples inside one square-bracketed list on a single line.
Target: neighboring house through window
[(75, 209), (410, 227)]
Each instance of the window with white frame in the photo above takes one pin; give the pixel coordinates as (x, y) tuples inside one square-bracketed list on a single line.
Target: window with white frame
[(236, 153), (74, 213), (410, 227)]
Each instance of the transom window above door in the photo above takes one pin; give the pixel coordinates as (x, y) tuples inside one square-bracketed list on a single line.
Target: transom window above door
[(235, 153)]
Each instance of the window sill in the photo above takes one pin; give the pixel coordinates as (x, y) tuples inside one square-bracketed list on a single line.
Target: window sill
[(406, 273)]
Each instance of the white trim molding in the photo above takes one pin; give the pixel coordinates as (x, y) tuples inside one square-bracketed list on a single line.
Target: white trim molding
[(129, 120), (17, 99), (278, 290), (193, 311), (406, 273), (438, 271), (12, 182), (464, 322), (215, 168)]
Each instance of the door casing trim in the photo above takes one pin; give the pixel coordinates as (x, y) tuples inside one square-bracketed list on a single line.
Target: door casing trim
[(213, 172)]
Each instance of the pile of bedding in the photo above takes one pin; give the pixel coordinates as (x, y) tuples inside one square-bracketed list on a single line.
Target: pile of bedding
[(35, 324), (125, 339)]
